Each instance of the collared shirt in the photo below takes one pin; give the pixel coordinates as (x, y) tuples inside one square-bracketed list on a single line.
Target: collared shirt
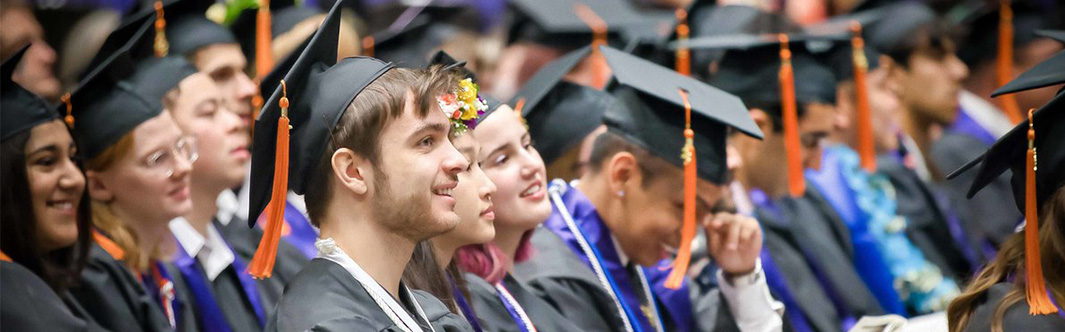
[(211, 251), (986, 114)]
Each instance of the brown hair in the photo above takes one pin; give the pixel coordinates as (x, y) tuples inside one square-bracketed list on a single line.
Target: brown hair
[(424, 272), (105, 219), (360, 126), (1010, 261)]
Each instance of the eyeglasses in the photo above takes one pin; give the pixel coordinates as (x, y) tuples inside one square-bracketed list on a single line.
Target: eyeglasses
[(163, 161)]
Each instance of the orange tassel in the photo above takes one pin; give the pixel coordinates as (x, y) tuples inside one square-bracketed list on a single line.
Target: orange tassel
[(866, 149), (264, 59), (4, 257), (262, 264), (1038, 300), (796, 182), (687, 232), (599, 34), (684, 64), (367, 46), (69, 118), (1004, 64), (161, 47)]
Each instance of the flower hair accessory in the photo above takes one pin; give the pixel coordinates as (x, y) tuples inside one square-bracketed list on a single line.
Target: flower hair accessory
[(463, 107)]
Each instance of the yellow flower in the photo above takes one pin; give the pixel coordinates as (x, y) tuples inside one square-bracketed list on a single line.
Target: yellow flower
[(467, 90)]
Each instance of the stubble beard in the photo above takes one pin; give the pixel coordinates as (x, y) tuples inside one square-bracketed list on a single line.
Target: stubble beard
[(410, 216)]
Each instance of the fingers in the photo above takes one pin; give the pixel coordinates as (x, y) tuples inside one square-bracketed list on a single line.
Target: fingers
[(731, 232)]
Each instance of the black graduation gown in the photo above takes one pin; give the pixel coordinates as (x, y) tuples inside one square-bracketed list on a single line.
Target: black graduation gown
[(324, 297), (28, 304), (927, 226), (556, 275), (1016, 317), (988, 217), (228, 293), (494, 317), (114, 298), (245, 240)]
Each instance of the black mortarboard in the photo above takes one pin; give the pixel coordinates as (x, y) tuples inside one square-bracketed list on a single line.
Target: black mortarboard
[(127, 30), (20, 109), (320, 88), (556, 22), (750, 68), (1008, 153), (284, 15), (841, 56), (981, 39), (899, 21), (650, 112), (271, 81), (188, 29), (412, 44), (122, 93), (1049, 72), (559, 113)]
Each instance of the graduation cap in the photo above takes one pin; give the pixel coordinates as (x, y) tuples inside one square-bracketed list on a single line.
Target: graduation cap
[(125, 91), (411, 45), (559, 23), (271, 81), (1058, 35), (751, 63), (1049, 72), (1039, 138), (188, 28), (131, 26), (20, 109), (680, 120), (320, 89), (899, 21), (281, 17)]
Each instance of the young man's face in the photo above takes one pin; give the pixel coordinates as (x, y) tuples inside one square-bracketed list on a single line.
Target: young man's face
[(765, 162), (653, 215), (930, 84), (225, 64), (220, 134), (416, 172)]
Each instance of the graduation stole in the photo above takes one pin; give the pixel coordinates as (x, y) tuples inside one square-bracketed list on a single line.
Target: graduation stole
[(514, 308), (207, 307), (634, 320)]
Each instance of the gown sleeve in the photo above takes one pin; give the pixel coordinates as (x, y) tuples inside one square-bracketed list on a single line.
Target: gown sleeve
[(28, 304)]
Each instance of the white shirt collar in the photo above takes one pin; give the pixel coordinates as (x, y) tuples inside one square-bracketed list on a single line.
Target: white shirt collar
[(228, 206), (212, 252)]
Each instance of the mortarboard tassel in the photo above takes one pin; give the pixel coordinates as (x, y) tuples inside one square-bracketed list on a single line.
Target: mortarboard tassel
[(69, 118), (1038, 300), (367, 46), (262, 265), (1004, 64), (796, 182), (599, 34), (866, 149), (161, 46), (684, 62), (687, 233), (264, 60)]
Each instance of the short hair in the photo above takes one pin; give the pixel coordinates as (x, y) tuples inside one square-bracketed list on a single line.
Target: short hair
[(360, 126), (935, 38), (776, 112), (609, 144)]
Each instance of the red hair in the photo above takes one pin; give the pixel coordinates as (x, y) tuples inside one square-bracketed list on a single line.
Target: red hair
[(489, 262)]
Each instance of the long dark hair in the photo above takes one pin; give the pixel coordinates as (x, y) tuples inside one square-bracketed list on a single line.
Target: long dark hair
[(1010, 261), (423, 272), (18, 226)]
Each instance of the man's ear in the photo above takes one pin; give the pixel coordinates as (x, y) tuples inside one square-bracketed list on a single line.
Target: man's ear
[(762, 120), (622, 173), (351, 170), (99, 190)]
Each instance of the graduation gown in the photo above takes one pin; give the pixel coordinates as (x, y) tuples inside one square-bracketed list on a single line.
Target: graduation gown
[(115, 299), (494, 316), (561, 275), (985, 214), (245, 240), (928, 223), (28, 304), (231, 305), (1016, 317), (324, 297)]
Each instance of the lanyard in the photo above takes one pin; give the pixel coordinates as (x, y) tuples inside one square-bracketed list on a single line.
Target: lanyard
[(328, 249), (516, 311), (159, 281), (464, 306), (628, 316)]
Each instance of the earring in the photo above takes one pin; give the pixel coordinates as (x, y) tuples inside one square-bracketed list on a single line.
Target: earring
[(621, 193)]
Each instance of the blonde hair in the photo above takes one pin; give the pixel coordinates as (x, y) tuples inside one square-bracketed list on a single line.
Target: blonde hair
[(103, 216)]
